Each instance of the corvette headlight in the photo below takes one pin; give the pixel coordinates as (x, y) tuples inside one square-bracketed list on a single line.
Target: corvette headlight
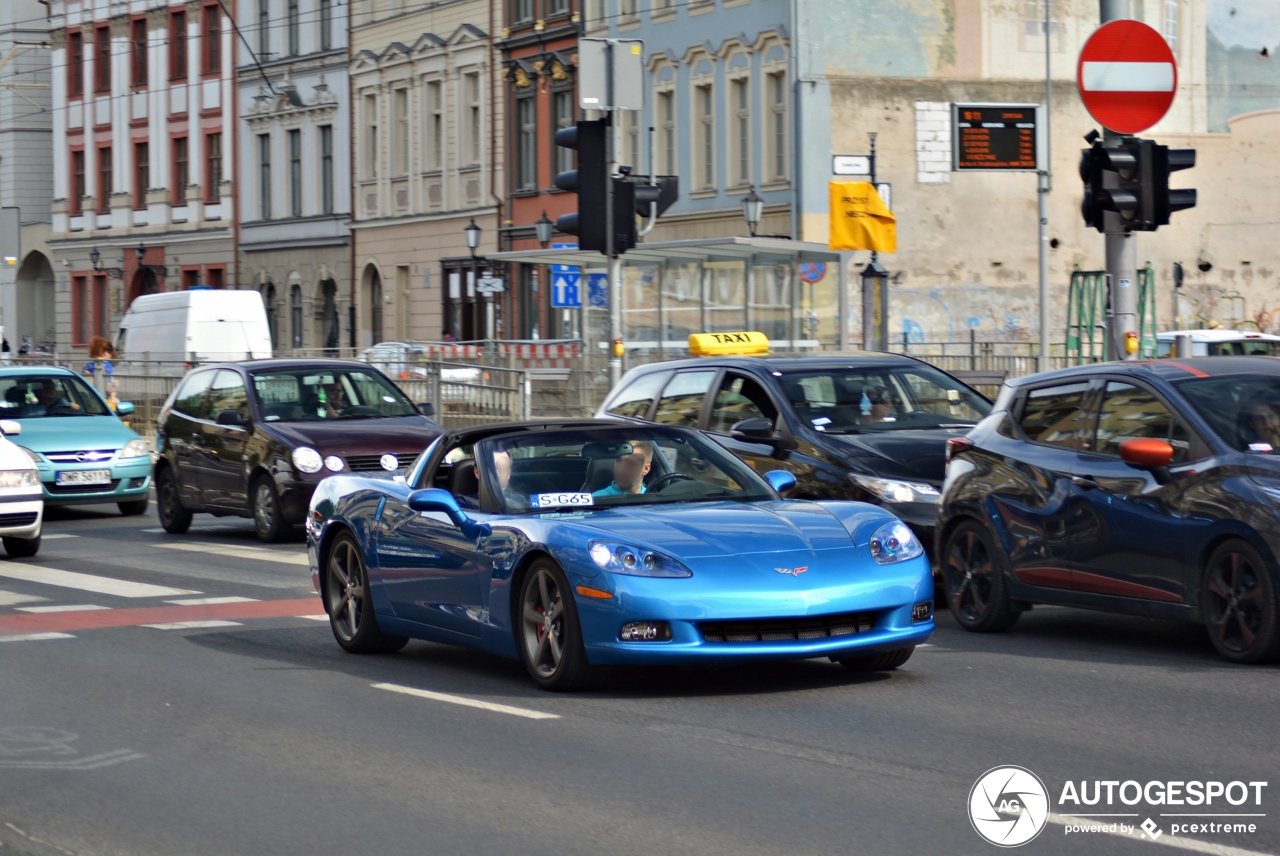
[(892, 490), (19, 478), (618, 558), (135, 449), (307, 459), (894, 542)]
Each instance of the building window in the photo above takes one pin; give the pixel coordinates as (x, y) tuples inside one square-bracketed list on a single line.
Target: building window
[(79, 310), (295, 173), (104, 180), (141, 173), (264, 176), (627, 8), (705, 130), (178, 46), (435, 126), (100, 305), (75, 64), (474, 134), (76, 193), (400, 145), (526, 144), (375, 307), (565, 116), (295, 314), (294, 28), (1033, 15), (522, 10), (326, 25), (216, 277), (326, 168), (776, 136), (213, 168), (633, 139), (371, 136), (190, 278), (212, 41), (138, 50), (558, 7), (264, 29), (181, 173), (1171, 24), (101, 59), (740, 144), (667, 120)]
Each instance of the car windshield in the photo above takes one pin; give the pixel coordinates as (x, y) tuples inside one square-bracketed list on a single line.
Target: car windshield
[(48, 395), (325, 394), (862, 399), (588, 468), (1244, 410)]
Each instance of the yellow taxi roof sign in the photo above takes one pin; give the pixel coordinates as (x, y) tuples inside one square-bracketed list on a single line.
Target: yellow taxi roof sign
[(743, 344)]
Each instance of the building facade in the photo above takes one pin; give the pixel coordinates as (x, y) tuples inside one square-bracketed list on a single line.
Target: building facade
[(144, 121), (295, 170), (426, 164), (28, 287)]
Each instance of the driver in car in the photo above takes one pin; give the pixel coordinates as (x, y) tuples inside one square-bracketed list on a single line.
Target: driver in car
[(328, 402), (629, 471), (47, 397)]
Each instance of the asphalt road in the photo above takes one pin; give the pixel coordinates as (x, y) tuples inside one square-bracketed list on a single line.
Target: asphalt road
[(125, 730)]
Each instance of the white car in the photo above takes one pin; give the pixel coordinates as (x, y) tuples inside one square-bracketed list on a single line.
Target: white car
[(21, 499), (1219, 343)]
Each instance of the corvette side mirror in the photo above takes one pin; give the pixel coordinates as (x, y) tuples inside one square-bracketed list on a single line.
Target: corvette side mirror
[(436, 499)]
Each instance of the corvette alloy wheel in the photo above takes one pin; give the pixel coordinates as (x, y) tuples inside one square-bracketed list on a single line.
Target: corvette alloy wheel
[(548, 633), (346, 595)]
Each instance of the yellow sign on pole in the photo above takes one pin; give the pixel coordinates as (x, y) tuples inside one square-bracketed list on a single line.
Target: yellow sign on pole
[(859, 218)]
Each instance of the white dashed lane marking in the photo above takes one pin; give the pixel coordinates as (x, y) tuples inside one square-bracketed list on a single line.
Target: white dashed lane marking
[(467, 702), (193, 625), (88, 582), (68, 607)]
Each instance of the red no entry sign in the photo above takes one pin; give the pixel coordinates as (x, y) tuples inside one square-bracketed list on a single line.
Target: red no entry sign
[(1127, 76)]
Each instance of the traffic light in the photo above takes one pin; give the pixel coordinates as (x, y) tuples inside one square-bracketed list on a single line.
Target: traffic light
[(634, 196), (1126, 159), (589, 181), (664, 193), (1163, 200)]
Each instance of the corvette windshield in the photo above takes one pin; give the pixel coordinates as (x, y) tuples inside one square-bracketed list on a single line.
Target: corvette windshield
[(864, 399), (591, 468)]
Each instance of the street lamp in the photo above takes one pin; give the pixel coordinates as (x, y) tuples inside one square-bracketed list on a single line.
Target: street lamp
[(473, 240), (157, 270), (112, 273), (752, 209), (543, 227), (473, 236)]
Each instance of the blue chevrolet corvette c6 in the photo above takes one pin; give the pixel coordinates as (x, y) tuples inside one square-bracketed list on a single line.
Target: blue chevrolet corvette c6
[(584, 544)]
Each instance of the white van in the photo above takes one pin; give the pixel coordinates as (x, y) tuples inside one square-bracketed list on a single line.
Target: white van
[(196, 326), (1219, 343)]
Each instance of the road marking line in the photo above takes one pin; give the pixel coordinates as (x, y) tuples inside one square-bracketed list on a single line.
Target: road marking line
[(262, 554), (34, 637), (192, 625), (205, 601), (91, 762), (45, 536), (88, 582), (1195, 845), (9, 598), (467, 702), (98, 619), (66, 607), (323, 617)]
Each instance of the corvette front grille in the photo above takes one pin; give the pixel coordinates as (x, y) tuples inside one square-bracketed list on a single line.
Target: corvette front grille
[(788, 629)]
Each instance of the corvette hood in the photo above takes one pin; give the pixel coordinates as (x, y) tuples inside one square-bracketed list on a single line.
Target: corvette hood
[(902, 454), (725, 529)]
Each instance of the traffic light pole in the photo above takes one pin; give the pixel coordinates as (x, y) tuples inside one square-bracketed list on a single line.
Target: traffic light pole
[(610, 250), (1122, 254)]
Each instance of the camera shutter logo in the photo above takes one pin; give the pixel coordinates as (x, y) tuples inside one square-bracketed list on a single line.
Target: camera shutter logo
[(1008, 806)]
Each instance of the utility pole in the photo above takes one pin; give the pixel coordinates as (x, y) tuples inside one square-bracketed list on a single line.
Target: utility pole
[(610, 250), (1122, 254)]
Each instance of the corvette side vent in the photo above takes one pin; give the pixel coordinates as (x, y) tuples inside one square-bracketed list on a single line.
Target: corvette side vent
[(788, 629)]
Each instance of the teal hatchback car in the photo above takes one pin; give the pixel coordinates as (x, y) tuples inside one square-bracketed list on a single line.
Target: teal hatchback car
[(84, 453)]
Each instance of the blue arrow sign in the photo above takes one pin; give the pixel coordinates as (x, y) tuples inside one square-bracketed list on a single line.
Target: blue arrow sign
[(565, 290), (559, 269), (598, 289)]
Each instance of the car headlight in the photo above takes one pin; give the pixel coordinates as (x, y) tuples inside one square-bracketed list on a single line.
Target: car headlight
[(35, 458), (19, 478), (894, 542), (334, 463), (618, 558), (136, 448), (307, 459), (892, 490)]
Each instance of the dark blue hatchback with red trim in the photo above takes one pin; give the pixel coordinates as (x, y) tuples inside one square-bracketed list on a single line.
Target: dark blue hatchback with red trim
[(1148, 488)]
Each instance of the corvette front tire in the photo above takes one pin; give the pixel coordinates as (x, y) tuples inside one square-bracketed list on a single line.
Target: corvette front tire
[(347, 600), (548, 633)]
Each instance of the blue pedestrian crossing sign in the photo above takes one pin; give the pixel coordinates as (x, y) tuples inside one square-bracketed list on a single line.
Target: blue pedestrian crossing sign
[(565, 290), (598, 289)]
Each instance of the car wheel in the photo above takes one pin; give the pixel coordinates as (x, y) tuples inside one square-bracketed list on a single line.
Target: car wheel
[(884, 662), (134, 507), (347, 600), (173, 517), (973, 574), (22, 548), (548, 633), (1238, 599), (267, 517)]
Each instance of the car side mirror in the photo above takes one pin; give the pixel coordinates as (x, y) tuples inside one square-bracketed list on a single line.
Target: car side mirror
[(426, 408), (10, 427), (780, 480), (229, 417), (437, 499), (124, 408), (761, 430), (1146, 453)]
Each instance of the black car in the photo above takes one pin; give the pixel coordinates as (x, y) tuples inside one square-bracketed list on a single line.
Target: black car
[(254, 438), (1147, 488), (865, 426)]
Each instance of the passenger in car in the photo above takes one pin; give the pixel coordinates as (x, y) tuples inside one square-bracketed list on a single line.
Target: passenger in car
[(502, 469), (1261, 425)]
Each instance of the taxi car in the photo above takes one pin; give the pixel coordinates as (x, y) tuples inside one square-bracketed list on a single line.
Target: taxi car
[(1147, 488), (576, 545), (254, 438), (867, 426), (83, 451), (21, 502)]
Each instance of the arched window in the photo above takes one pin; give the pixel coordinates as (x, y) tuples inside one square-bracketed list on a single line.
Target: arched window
[(375, 307), (295, 314), (273, 320), (329, 290)]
